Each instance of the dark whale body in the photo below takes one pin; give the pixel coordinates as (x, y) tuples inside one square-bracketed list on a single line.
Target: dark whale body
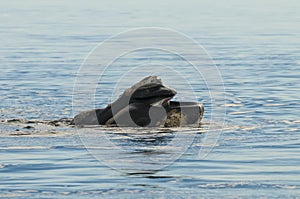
[(147, 103)]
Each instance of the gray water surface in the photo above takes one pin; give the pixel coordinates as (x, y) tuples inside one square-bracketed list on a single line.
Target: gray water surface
[(255, 46)]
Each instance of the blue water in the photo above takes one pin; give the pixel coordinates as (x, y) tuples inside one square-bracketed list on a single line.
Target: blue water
[(255, 46)]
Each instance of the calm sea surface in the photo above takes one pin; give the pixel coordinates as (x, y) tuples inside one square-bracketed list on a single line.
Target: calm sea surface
[(254, 44)]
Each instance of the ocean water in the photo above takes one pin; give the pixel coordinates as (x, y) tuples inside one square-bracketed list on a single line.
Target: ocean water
[(256, 147)]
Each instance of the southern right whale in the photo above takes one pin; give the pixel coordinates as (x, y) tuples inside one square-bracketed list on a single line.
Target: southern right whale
[(148, 104)]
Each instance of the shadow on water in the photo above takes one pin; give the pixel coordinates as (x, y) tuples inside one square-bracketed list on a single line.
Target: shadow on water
[(137, 150), (160, 138), (133, 151)]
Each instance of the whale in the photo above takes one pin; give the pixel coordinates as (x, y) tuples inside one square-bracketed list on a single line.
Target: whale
[(171, 114), (146, 104)]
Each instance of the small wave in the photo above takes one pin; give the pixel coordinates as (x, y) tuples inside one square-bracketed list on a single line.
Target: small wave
[(35, 128), (291, 121), (273, 105), (248, 185), (239, 112), (23, 148), (59, 122), (62, 193), (233, 105)]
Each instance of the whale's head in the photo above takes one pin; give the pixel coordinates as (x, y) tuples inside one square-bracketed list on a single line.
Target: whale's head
[(148, 91), (152, 94)]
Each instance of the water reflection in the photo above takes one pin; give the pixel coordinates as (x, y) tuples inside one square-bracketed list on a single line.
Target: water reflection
[(148, 138), (137, 150)]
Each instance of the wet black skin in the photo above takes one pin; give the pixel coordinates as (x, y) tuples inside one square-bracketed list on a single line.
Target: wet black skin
[(140, 101), (140, 114), (147, 95)]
